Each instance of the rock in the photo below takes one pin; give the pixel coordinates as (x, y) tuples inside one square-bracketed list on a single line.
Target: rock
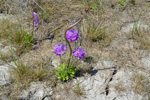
[(93, 86), (119, 77), (129, 27), (128, 95), (56, 62), (36, 91), (104, 64), (123, 79), (108, 64), (146, 62), (4, 73)]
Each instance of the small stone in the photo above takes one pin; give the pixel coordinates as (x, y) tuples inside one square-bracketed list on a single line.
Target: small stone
[(146, 63), (56, 62), (108, 64), (4, 75), (47, 98)]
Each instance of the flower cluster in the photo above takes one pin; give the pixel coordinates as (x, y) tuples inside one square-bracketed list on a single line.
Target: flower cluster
[(72, 35), (36, 20), (59, 49), (78, 52), (34, 47)]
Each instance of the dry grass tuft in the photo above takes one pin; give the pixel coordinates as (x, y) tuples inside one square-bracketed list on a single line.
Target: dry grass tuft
[(141, 84), (78, 90), (93, 4), (142, 36), (23, 75), (14, 33), (119, 87), (6, 28), (4, 57), (94, 31)]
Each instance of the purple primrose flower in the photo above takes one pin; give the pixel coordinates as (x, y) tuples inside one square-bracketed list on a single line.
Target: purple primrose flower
[(36, 20), (78, 52), (35, 47), (72, 35), (59, 49), (35, 14)]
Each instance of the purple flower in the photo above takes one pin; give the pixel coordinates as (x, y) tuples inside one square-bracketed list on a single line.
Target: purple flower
[(36, 20), (78, 52), (72, 35), (35, 47), (59, 49), (35, 14)]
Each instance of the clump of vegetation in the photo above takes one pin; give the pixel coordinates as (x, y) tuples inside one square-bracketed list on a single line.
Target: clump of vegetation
[(125, 2), (78, 90), (93, 4), (46, 8), (64, 73), (22, 75), (26, 74), (16, 35), (143, 38), (66, 70), (94, 31), (2, 6), (141, 84), (6, 28), (95, 7), (119, 87), (121, 2), (22, 40), (140, 35)]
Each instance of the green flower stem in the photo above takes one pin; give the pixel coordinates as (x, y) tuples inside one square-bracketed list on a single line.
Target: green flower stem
[(69, 42), (82, 16)]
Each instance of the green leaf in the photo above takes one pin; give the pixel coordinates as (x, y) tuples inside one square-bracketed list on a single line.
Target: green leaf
[(67, 77), (64, 74)]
